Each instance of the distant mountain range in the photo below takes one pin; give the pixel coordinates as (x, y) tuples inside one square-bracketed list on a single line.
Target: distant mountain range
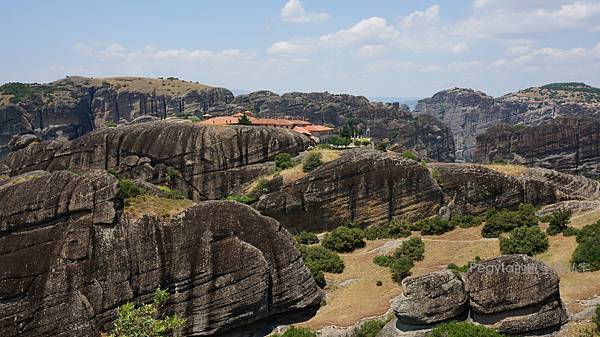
[(410, 101)]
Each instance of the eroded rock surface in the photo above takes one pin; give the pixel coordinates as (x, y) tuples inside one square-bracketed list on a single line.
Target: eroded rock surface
[(364, 186), (69, 259), (431, 298), (204, 162)]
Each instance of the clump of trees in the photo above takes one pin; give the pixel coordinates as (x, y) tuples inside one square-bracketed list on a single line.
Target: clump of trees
[(559, 221), (284, 161), (503, 221), (463, 329), (344, 239), (403, 258), (312, 161), (465, 220), (587, 254), (434, 226), (146, 319), (525, 240), (395, 229), (319, 260), (306, 238)]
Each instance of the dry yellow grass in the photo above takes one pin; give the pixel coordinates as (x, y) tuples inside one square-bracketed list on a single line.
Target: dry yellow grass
[(143, 84), (361, 298), (509, 169), (154, 205), (12, 181)]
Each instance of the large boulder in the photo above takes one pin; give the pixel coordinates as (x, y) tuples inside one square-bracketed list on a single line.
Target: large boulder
[(203, 162), (69, 259), (431, 298), (509, 282), (363, 186)]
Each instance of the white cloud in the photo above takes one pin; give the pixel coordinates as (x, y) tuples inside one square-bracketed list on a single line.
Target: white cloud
[(368, 31), (285, 47), (431, 14), (293, 11)]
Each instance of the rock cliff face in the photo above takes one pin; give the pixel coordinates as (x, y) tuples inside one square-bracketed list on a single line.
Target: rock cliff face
[(364, 186), (371, 187), (69, 259), (568, 144), (71, 107), (470, 114), (427, 136), (513, 294), (204, 162)]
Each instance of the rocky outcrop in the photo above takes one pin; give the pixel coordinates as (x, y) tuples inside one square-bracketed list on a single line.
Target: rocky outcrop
[(467, 113), (568, 144), (513, 294), (69, 108), (431, 298), (366, 187), (470, 188), (392, 123), (69, 259), (203, 162), (539, 139)]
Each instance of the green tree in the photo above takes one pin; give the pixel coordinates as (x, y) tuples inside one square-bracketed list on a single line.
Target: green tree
[(344, 239), (559, 221), (318, 260), (146, 320), (498, 222), (587, 254), (244, 120), (297, 332), (129, 189), (408, 154), (312, 161), (284, 161), (525, 240), (306, 238), (370, 328), (597, 318)]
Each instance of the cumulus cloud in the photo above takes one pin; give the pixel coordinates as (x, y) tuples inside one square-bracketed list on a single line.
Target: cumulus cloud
[(285, 47), (431, 14), (371, 30), (293, 11)]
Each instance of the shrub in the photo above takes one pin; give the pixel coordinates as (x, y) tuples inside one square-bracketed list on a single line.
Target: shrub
[(525, 240), (370, 328), (498, 222), (145, 320), (110, 124), (394, 229), (400, 268), (312, 161), (170, 193), (129, 189), (244, 120), (297, 332), (244, 199), (408, 154), (413, 248), (559, 221), (325, 259), (570, 231), (344, 239), (434, 226), (465, 220), (464, 268), (587, 254), (306, 238), (403, 258), (462, 329), (381, 147), (284, 161), (337, 140)]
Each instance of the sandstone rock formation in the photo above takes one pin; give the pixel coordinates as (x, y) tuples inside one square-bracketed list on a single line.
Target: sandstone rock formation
[(513, 294), (431, 298), (69, 259), (530, 131), (204, 162), (426, 135), (364, 186), (568, 144), (71, 107)]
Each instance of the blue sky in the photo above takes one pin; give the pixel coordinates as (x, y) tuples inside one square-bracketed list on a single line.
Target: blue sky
[(374, 48)]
